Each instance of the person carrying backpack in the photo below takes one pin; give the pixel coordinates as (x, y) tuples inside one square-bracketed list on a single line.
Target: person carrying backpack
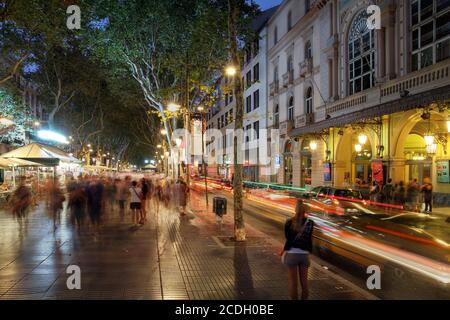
[(298, 232)]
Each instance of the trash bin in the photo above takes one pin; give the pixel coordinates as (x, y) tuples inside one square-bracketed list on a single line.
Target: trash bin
[(220, 206)]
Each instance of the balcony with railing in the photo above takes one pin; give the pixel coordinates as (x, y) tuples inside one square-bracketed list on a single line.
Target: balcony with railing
[(304, 120), (274, 88), (286, 127), (414, 83), (306, 67)]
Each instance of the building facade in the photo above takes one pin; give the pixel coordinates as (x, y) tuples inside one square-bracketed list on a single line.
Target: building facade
[(254, 79), (355, 103)]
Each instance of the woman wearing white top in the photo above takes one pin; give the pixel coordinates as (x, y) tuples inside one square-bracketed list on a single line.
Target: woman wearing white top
[(135, 202)]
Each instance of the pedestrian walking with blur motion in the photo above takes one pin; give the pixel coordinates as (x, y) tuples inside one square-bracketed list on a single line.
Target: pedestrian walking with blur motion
[(77, 205), (135, 203), (388, 191), (95, 194), (57, 199), (298, 231), (121, 197), (145, 192), (182, 192), (412, 195), (427, 191), (399, 194), (20, 201)]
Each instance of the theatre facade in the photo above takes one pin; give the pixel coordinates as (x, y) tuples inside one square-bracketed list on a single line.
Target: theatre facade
[(359, 104)]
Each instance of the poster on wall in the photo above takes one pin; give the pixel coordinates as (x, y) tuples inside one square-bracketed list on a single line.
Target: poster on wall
[(377, 171), (327, 171), (443, 171)]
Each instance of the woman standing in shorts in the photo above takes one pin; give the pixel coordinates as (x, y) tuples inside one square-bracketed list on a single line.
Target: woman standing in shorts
[(298, 231), (135, 203)]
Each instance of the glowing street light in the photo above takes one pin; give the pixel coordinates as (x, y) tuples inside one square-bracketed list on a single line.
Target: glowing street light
[(313, 145), (163, 132), (429, 139), (52, 136), (200, 109), (159, 147), (146, 161), (167, 153), (231, 71), (362, 139), (173, 107), (358, 148), (36, 123)]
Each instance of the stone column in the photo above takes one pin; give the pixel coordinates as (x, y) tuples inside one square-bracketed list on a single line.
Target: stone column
[(381, 55), (390, 45), (397, 169)]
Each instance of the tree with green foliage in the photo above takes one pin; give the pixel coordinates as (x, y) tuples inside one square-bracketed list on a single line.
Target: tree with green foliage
[(14, 111)]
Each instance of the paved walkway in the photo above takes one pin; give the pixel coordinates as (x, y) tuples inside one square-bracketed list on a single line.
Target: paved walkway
[(168, 258)]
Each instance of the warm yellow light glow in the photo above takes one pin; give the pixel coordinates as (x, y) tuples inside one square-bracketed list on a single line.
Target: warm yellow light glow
[(231, 71), (37, 123), (163, 132), (200, 108), (313, 145), (448, 126), (159, 146), (358, 147), (162, 156), (167, 153), (178, 142), (429, 139), (173, 107), (362, 139)]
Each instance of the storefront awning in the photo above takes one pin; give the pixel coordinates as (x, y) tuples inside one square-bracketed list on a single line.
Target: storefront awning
[(399, 105), (40, 153)]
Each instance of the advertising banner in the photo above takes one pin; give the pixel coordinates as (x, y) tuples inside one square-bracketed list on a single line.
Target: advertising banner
[(442, 170), (377, 171)]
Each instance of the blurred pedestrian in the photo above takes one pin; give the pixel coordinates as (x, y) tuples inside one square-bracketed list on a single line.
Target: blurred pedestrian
[(412, 195), (21, 200), (122, 195), (57, 199), (399, 194), (388, 191), (145, 192), (427, 191), (374, 191), (95, 194), (77, 204), (182, 192), (135, 203), (298, 231)]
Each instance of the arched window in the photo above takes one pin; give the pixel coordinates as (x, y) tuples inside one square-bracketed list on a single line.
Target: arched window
[(309, 100), (276, 116), (308, 50), (289, 20), (361, 55), (291, 109)]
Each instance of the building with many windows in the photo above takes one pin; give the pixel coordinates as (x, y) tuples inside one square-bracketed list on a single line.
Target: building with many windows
[(254, 76), (359, 104)]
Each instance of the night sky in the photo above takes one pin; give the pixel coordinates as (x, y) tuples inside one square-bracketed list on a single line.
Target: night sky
[(266, 4)]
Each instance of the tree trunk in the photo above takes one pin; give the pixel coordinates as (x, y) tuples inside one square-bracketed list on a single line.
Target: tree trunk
[(239, 226)]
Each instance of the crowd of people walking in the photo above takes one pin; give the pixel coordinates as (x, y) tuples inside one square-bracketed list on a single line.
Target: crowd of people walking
[(90, 198), (411, 196)]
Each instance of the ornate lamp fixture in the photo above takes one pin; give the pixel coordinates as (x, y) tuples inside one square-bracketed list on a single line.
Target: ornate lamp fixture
[(362, 139)]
